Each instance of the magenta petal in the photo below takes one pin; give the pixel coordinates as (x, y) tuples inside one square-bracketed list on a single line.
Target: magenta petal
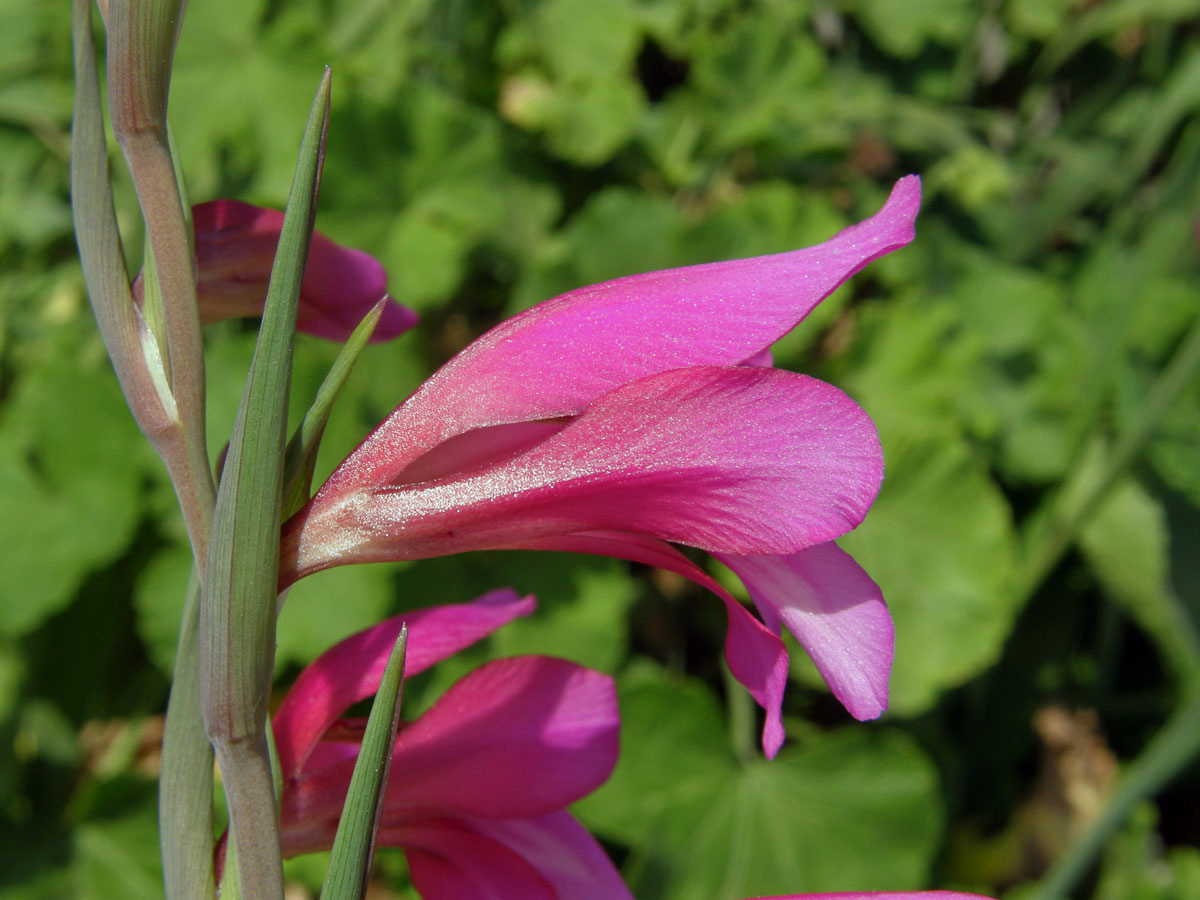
[(514, 738), (836, 612), (872, 895), (756, 656), (478, 858), (734, 459), (449, 860), (235, 247), (555, 359), (563, 853), (350, 671)]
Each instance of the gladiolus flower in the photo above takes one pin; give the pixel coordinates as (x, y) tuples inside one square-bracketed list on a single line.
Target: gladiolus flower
[(622, 418), (910, 895), (235, 248), (478, 785)]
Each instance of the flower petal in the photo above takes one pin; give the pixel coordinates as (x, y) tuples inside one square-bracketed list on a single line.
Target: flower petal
[(837, 614), (756, 656), (459, 859), (451, 861), (513, 739), (733, 459), (872, 895), (555, 359), (350, 671), (235, 248)]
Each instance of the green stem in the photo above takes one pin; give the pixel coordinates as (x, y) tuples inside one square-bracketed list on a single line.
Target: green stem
[(743, 738), (1169, 752), (253, 815)]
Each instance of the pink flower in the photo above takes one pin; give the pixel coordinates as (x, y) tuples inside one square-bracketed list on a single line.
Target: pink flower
[(478, 784), (909, 895), (235, 247), (624, 417)]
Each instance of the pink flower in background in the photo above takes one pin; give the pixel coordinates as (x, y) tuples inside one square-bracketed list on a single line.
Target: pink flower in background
[(479, 783), (235, 247), (624, 417), (908, 895)]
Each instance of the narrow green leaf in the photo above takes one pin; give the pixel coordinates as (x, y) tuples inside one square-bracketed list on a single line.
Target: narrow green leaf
[(301, 456), (238, 621), (354, 846), (185, 788)]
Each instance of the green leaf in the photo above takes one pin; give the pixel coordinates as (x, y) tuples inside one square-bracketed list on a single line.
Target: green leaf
[(903, 29), (354, 845), (708, 826), (60, 520), (1135, 867), (237, 636), (117, 859), (158, 601), (238, 629), (1126, 542)]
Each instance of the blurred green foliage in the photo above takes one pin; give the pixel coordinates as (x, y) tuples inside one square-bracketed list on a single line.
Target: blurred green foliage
[(494, 154)]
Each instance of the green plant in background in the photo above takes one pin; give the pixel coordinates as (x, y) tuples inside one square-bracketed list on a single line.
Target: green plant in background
[(1026, 360)]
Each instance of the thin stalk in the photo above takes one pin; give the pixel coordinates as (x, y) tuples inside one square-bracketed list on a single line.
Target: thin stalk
[(743, 739)]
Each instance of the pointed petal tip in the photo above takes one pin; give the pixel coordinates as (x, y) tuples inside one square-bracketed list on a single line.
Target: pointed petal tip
[(904, 202)]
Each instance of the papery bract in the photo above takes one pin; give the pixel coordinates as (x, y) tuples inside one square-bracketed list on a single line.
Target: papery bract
[(478, 785), (235, 248), (626, 415)]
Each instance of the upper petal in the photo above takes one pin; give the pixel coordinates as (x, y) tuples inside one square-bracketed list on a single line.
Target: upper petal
[(235, 248), (837, 614), (555, 359), (351, 670), (734, 459)]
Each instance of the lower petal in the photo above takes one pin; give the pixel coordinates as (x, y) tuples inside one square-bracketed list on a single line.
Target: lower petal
[(350, 671), (563, 852), (450, 861), (755, 654), (836, 612)]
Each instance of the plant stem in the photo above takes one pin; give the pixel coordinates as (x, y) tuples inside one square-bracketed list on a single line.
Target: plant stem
[(742, 737)]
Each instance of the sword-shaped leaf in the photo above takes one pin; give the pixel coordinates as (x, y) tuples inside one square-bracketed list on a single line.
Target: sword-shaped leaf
[(237, 636), (354, 845)]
